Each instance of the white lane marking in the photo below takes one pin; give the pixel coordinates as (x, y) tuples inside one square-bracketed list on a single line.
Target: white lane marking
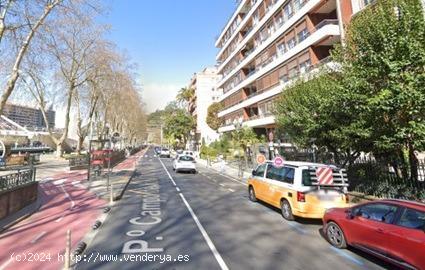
[(38, 237), (178, 189), (3, 266), (59, 182), (210, 244), (222, 185), (169, 175), (60, 219), (69, 197), (231, 190)]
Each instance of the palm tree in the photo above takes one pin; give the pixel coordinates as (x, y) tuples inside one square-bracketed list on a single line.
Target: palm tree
[(185, 95)]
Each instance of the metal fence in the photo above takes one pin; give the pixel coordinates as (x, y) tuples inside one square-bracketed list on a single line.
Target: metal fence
[(14, 180), (371, 177)]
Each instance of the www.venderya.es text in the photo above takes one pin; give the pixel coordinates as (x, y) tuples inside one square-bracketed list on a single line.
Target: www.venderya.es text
[(146, 257)]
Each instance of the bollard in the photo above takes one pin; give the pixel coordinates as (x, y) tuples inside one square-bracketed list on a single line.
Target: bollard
[(67, 250)]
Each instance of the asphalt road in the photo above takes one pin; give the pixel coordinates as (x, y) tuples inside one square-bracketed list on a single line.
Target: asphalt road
[(205, 221)]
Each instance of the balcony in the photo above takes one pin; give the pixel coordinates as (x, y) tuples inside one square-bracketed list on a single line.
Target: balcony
[(277, 32), (259, 121), (284, 82), (293, 16), (325, 30)]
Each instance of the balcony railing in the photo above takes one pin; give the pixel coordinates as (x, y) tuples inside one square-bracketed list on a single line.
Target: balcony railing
[(316, 28), (283, 81), (325, 22)]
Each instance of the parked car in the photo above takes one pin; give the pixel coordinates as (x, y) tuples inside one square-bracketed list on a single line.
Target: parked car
[(164, 152), (157, 150), (184, 164), (296, 189), (393, 230)]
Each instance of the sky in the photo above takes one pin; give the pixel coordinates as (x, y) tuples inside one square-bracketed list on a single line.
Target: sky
[(169, 40)]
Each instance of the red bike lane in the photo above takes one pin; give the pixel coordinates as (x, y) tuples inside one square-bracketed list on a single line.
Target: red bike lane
[(39, 241)]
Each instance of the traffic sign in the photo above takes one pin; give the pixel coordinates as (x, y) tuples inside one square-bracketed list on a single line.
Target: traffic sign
[(278, 161), (261, 159)]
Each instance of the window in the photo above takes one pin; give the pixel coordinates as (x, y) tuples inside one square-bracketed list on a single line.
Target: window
[(282, 174), (412, 219), (291, 43), (303, 34), (260, 170), (281, 48), (306, 178), (299, 4), (186, 158), (378, 212), (287, 11), (304, 66)]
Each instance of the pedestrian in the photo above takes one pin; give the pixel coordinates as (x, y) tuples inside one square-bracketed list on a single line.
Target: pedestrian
[(222, 164)]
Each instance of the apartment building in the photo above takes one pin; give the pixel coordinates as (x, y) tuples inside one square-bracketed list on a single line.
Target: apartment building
[(29, 117), (206, 93), (267, 44)]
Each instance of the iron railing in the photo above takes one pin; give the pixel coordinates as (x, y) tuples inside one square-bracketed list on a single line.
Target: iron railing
[(14, 180)]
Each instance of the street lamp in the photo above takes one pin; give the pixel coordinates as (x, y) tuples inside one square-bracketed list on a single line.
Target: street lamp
[(237, 123)]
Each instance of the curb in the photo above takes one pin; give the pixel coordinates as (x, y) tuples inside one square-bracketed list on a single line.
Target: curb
[(118, 197), (90, 235)]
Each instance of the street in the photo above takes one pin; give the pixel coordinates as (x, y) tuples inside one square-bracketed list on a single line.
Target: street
[(205, 221)]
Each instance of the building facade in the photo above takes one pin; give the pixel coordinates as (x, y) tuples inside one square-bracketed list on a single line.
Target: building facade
[(266, 45), (29, 117), (205, 93)]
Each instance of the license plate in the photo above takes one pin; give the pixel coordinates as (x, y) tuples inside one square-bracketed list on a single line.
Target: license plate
[(326, 197)]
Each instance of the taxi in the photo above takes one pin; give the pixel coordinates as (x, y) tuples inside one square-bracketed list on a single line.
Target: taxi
[(299, 189)]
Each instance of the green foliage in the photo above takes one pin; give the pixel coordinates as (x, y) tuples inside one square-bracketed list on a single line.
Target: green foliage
[(244, 137), (311, 112), (213, 121), (208, 152), (375, 102), (177, 125), (185, 94), (222, 145), (383, 64)]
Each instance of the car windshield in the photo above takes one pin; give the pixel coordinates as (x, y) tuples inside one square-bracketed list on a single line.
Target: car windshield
[(186, 158), (164, 149)]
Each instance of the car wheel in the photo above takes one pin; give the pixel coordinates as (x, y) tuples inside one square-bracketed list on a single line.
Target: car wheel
[(251, 194), (335, 235), (286, 210)]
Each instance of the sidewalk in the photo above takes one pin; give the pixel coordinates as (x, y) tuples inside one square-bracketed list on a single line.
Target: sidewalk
[(227, 170), (67, 204)]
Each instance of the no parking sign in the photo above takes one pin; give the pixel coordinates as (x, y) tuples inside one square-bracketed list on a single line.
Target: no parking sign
[(278, 161)]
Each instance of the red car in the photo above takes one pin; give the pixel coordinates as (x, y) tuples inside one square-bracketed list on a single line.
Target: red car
[(393, 230)]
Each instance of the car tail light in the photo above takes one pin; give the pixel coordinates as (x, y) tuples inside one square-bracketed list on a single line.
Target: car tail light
[(300, 196)]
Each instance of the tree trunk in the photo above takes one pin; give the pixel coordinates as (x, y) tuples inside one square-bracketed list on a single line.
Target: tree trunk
[(59, 149), (413, 162), (11, 82), (80, 143)]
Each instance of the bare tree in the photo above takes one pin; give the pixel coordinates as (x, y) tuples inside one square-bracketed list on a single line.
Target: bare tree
[(32, 24)]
